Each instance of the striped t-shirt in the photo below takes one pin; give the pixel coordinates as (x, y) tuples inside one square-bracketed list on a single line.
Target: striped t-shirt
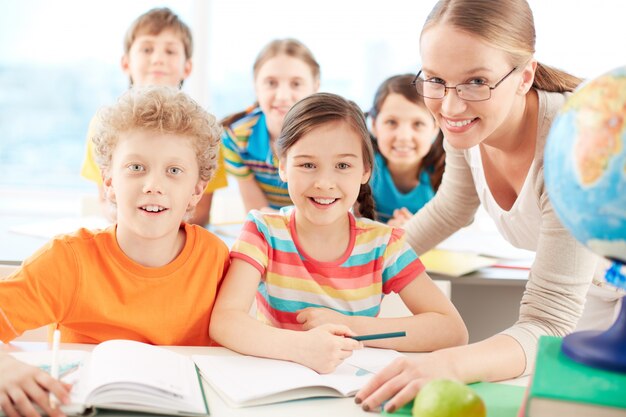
[(377, 261), (246, 145)]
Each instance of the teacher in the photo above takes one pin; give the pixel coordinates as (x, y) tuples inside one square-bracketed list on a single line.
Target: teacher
[(494, 103)]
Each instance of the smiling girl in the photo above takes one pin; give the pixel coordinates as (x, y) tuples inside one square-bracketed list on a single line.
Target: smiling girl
[(319, 273), (285, 71), (409, 151)]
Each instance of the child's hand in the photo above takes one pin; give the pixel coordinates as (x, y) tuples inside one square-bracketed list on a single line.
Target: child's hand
[(312, 317), (400, 217), (22, 386), (324, 348)]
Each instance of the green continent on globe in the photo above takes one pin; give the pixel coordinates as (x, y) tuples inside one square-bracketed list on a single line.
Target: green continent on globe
[(447, 398), (599, 108)]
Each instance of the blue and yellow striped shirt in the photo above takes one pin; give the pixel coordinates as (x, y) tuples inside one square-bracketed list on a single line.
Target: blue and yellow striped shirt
[(247, 151)]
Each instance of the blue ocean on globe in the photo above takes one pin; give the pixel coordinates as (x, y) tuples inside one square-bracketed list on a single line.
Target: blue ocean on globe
[(585, 164)]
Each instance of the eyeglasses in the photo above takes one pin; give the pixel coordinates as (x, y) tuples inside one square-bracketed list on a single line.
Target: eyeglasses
[(467, 91)]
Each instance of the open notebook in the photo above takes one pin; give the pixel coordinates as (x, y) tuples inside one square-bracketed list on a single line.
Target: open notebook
[(247, 380), (128, 376)]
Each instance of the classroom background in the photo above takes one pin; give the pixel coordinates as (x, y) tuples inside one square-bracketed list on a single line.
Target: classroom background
[(60, 61)]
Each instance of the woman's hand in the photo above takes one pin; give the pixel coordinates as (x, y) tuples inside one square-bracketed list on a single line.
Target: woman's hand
[(23, 386), (325, 347), (401, 380), (312, 317)]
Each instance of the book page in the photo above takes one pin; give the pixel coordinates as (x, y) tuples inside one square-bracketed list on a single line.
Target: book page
[(372, 359), (248, 380), (123, 371)]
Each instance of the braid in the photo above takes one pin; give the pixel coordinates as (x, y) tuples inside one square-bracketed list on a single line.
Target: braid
[(367, 207)]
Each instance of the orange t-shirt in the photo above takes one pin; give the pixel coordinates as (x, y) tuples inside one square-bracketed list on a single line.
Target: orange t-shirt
[(86, 284)]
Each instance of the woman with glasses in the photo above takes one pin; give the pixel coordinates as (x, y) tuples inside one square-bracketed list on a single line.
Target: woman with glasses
[(494, 103)]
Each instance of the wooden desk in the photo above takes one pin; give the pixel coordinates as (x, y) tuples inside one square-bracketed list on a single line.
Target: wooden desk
[(344, 407)]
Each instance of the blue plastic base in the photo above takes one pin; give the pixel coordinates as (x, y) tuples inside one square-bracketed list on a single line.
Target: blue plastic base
[(605, 350)]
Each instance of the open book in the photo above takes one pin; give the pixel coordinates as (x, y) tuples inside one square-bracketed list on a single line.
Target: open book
[(244, 381), (130, 376)]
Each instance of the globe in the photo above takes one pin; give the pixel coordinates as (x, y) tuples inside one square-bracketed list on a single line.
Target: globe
[(585, 176)]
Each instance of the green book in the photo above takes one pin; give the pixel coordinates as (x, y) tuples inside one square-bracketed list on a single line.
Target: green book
[(501, 400), (562, 387)]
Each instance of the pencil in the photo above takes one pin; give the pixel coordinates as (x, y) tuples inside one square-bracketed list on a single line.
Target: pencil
[(378, 336), (54, 366)]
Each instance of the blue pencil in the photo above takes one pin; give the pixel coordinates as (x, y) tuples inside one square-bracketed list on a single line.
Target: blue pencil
[(378, 336)]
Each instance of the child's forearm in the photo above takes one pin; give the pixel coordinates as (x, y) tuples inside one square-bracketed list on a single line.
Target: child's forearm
[(321, 349), (251, 194), (424, 332), (238, 331)]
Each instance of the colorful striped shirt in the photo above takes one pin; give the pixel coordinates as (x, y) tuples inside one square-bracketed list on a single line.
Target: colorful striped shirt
[(377, 261), (246, 145)]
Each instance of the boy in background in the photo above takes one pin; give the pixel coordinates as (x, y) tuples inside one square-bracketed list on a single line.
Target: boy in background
[(150, 277), (157, 51)]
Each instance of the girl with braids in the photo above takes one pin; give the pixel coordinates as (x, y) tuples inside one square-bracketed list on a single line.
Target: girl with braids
[(494, 103), (319, 273), (409, 151)]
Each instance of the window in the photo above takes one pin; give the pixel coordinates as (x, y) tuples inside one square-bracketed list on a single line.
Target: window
[(59, 61)]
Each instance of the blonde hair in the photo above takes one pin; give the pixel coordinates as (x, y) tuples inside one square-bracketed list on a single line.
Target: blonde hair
[(289, 47), (155, 21), (318, 110), (508, 25), (160, 109)]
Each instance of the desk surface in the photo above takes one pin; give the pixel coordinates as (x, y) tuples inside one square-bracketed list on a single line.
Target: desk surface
[(316, 407)]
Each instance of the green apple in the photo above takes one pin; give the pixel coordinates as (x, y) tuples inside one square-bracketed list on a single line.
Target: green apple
[(448, 398)]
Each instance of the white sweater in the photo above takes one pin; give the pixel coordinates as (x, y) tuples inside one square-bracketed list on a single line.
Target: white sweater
[(563, 269)]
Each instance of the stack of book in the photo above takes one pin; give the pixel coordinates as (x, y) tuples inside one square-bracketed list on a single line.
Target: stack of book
[(565, 388)]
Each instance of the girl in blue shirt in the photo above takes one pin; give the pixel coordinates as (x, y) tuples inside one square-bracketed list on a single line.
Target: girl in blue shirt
[(409, 159)]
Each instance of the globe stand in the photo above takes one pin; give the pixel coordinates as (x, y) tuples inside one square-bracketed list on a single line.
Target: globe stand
[(601, 349)]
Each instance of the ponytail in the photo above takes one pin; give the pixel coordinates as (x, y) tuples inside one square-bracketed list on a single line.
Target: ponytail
[(229, 120), (365, 200), (554, 80)]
